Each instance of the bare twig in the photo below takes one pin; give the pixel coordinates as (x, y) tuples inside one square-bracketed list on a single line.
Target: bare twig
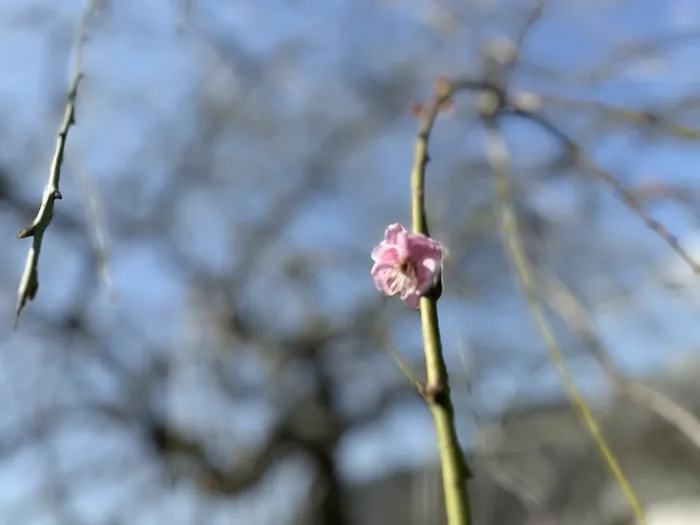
[(650, 118), (29, 282), (569, 307), (534, 17), (625, 195), (497, 154), (613, 66), (634, 51)]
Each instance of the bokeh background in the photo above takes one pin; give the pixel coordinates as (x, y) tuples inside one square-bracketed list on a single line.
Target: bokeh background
[(207, 346)]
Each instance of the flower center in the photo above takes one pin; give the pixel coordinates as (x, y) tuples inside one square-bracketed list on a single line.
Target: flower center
[(402, 279)]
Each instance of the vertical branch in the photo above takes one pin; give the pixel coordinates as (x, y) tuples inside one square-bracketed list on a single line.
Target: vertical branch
[(29, 282), (437, 391), (497, 154)]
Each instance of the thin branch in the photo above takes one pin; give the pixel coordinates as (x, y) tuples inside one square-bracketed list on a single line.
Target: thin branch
[(625, 195), (401, 362), (525, 31), (29, 282), (444, 90), (569, 307), (634, 51), (614, 66), (650, 118), (497, 154), (98, 230), (437, 391)]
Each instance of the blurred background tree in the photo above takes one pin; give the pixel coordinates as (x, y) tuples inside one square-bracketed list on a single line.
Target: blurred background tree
[(207, 345)]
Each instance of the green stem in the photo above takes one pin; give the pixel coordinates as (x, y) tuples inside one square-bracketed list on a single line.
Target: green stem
[(437, 391), (497, 152), (437, 394)]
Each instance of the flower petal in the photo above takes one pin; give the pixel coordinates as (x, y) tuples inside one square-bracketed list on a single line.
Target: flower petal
[(392, 231), (412, 300), (388, 254), (426, 255), (427, 276), (379, 266), (424, 247), (398, 250), (379, 250), (404, 243), (381, 276)]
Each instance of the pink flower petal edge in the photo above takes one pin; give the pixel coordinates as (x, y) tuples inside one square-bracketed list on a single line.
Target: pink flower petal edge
[(406, 264)]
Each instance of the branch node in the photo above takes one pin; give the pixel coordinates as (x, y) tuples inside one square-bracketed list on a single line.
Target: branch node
[(28, 285), (433, 394)]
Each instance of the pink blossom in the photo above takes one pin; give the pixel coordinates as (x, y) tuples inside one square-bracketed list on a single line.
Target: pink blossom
[(406, 264)]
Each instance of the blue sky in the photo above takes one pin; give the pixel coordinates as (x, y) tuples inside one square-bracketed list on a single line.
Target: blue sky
[(139, 103)]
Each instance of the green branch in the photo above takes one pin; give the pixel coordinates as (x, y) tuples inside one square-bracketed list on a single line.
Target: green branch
[(29, 282), (497, 153), (437, 390)]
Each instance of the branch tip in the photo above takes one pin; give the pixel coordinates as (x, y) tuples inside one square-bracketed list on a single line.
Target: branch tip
[(443, 88), (26, 232)]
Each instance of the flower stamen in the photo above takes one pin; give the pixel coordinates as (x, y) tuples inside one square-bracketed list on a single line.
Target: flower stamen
[(402, 279)]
